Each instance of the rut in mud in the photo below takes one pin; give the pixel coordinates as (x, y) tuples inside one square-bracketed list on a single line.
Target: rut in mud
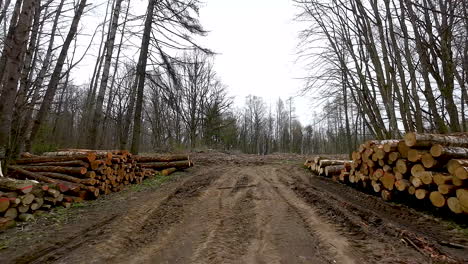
[(246, 210)]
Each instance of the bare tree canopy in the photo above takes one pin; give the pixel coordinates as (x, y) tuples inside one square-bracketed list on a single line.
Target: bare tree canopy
[(379, 68)]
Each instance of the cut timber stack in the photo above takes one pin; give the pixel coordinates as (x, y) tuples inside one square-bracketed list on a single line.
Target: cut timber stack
[(429, 167), (37, 183), (164, 164), (22, 199), (327, 167)]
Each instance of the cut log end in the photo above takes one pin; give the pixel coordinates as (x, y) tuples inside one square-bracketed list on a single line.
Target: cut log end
[(410, 139), (437, 199), (421, 194), (454, 205)]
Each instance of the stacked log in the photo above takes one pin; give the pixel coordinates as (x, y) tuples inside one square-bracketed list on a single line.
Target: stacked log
[(326, 167), (164, 164), (38, 183), (22, 199), (429, 167)]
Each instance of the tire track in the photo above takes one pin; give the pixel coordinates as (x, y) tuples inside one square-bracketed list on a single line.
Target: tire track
[(378, 240), (235, 228)]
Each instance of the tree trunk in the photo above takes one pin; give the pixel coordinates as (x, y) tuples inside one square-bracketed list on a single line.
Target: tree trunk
[(109, 48), (14, 55), (56, 75), (41, 76), (140, 76)]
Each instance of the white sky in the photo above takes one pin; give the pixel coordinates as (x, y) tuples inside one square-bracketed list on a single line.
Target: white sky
[(256, 41)]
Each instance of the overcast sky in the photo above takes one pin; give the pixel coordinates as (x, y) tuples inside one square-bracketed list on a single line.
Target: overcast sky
[(256, 41)]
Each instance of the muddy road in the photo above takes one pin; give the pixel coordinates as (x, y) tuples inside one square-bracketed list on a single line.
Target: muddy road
[(238, 209)]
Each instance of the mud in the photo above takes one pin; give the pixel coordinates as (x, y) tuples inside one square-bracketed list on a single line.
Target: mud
[(239, 209)]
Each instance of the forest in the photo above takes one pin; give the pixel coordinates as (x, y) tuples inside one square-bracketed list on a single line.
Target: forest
[(378, 69)]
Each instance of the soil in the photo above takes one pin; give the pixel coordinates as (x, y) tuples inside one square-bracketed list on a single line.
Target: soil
[(238, 209)]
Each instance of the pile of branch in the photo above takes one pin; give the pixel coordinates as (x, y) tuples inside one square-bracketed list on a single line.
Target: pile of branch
[(429, 167), (37, 183)]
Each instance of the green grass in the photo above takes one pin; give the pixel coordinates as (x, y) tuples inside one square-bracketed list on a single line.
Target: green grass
[(460, 228), (78, 205), (150, 183), (58, 214)]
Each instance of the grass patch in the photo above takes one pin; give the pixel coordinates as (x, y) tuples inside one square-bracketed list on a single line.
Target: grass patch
[(150, 183), (58, 214), (462, 228), (78, 205), (3, 245)]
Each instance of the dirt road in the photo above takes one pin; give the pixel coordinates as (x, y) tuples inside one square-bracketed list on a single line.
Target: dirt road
[(239, 209)]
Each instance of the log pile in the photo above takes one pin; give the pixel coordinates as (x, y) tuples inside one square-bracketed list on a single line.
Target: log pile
[(163, 164), (37, 183), (430, 167), (327, 167)]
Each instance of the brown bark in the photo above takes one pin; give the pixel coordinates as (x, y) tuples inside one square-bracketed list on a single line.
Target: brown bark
[(169, 171), (333, 170), (65, 170), (156, 158), (71, 163), (43, 159), (19, 186), (165, 165), (4, 204), (61, 185), (61, 176), (413, 139)]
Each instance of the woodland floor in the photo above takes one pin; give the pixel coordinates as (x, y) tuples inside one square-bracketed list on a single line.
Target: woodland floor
[(237, 209)]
